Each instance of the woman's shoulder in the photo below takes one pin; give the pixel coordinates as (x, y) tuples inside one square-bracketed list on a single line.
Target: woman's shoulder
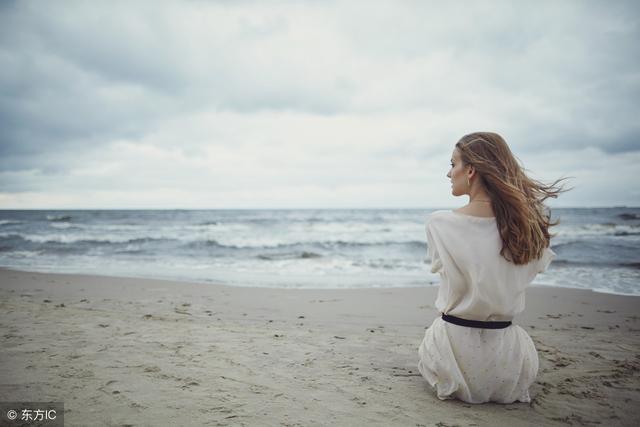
[(457, 221), (438, 216)]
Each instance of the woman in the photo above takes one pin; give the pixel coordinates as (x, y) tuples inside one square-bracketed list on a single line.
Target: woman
[(486, 253)]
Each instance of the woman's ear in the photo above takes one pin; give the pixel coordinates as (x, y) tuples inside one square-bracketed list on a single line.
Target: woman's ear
[(471, 172)]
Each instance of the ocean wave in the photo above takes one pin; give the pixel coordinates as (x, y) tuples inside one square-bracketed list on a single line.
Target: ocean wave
[(11, 235), (292, 255), (64, 225), (58, 217), (627, 233), (602, 229), (629, 216), (9, 221), (21, 254), (327, 244), (80, 239), (207, 243), (196, 241), (576, 263), (392, 264), (410, 244)]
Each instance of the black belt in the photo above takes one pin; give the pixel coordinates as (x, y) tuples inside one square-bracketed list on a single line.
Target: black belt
[(475, 323)]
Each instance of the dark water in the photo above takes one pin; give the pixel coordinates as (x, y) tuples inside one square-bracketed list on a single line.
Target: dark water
[(598, 248)]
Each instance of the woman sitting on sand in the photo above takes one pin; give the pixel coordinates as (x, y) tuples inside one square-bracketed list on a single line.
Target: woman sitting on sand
[(487, 253)]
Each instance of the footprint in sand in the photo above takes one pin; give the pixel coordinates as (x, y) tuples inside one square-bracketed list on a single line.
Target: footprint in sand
[(359, 401), (561, 361), (555, 316), (189, 385), (108, 385)]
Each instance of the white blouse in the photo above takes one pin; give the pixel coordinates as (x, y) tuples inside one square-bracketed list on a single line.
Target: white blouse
[(477, 283)]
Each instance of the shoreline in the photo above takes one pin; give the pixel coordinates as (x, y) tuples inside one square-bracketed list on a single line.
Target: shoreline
[(154, 351), (293, 288)]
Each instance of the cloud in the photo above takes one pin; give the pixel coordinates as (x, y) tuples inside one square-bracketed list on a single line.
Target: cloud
[(301, 103)]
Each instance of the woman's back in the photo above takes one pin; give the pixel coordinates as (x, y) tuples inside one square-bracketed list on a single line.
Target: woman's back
[(479, 284)]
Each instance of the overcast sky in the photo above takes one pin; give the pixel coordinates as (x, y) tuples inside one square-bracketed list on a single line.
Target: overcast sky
[(318, 104)]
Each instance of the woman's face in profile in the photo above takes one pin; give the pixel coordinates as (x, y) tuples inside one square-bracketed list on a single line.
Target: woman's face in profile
[(457, 174)]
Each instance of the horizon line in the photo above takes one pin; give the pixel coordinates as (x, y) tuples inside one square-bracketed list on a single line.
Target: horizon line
[(283, 208)]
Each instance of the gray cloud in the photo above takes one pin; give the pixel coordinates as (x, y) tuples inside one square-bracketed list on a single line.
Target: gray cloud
[(80, 77)]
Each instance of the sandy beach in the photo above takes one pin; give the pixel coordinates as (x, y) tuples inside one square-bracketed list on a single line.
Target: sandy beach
[(123, 351)]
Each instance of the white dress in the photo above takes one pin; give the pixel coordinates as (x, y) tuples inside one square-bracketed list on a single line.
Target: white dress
[(472, 364)]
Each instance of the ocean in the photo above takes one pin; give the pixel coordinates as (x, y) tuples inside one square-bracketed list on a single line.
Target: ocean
[(597, 248)]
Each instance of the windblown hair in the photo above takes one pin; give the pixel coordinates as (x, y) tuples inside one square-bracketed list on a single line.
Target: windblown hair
[(517, 200)]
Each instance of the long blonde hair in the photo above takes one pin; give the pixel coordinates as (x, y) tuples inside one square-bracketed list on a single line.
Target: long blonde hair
[(517, 200)]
